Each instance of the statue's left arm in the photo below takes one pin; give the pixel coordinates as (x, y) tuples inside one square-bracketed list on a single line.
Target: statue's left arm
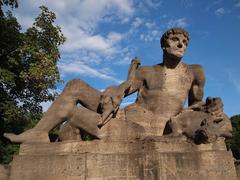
[(195, 95), (213, 105)]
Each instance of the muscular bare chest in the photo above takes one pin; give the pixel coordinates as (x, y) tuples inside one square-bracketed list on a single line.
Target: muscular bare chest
[(168, 80), (164, 91)]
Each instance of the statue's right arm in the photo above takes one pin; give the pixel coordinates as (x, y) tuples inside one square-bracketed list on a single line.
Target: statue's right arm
[(112, 97), (136, 83)]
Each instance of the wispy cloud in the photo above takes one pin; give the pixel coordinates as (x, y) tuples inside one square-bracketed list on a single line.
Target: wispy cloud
[(137, 22), (154, 3), (151, 35), (79, 21), (148, 4), (212, 5), (26, 20), (78, 39), (221, 12), (150, 25), (234, 79), (85, 70), (181, 22), (134, 27), (187, 3)]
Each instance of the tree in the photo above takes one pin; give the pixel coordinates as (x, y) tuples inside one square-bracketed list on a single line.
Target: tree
[(234, 143), (28, 71)]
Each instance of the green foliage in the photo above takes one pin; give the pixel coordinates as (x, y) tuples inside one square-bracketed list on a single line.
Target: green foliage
[(28, 70), (234, 143)]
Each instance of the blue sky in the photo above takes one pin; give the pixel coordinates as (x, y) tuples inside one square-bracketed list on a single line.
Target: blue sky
[(104, 35)]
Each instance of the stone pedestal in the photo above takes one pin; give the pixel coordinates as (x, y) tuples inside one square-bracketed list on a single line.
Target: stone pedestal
[(162, 158), (4, 172)]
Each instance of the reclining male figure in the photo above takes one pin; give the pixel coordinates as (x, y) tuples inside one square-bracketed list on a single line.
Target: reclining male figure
[(162, 89)]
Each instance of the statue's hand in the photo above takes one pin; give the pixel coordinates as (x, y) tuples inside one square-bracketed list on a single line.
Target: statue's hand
[(199, 106), (110, 101), (214, 105)]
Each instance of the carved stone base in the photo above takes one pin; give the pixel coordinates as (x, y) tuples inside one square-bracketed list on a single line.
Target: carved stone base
[(162, 158)]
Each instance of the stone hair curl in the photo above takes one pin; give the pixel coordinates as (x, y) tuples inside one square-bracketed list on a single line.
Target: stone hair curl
[(165, 36)]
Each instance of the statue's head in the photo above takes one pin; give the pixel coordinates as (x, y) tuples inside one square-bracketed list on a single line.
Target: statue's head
[(174, 42)]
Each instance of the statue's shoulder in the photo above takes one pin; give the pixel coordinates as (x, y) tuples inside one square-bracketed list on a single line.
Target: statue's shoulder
[(151, 68), (197, 71), (194, 67), (145, 69)]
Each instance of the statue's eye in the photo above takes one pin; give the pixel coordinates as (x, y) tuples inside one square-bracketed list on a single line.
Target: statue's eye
[(174, 38), (185, 42)]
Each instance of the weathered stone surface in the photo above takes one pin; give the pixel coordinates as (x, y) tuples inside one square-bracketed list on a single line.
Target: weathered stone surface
[(237, 166), (200, 126), (153, 158), (130, 145), (162, 92), (4, 172)]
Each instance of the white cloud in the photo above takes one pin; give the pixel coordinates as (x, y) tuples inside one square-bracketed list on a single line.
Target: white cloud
[(46, 105), (181, 22), (215, 3), (134, 28), (137, 22), (146, 5), (220, 12), (163, 16), (80, 19), (26, 20), (187, 3), (151, 36), (126, 60), (85, 70), (126, 55), (89, 57), (150, 24), (154, 3), (125, 20), (79, 39)]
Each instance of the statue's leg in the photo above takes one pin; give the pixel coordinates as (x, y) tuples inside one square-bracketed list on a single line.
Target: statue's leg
[(76, 91), (86, 119)]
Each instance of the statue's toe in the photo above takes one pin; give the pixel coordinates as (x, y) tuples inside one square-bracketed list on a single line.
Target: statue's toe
[(28, 137), (12, 137)]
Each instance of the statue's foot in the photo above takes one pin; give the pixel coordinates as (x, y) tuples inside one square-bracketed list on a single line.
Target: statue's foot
[(29, 136)]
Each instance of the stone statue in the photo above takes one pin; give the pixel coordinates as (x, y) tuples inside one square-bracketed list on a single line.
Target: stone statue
[(159, 107)]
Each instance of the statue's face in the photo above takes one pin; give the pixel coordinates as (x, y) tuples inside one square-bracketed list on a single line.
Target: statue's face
[(176, 45)]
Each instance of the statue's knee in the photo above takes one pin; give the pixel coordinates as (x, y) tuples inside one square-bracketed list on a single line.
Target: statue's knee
[(74, 84)]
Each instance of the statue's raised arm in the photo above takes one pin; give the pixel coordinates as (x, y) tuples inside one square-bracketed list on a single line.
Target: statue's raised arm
[(113, 95)]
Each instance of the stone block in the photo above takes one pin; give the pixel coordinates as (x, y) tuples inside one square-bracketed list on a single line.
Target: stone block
[(163, 158)]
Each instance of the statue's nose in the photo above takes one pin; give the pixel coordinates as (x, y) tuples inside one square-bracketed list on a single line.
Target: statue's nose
[(179, 45)]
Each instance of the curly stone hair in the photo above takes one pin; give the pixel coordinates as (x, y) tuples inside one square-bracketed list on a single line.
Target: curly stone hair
[(165, 36)]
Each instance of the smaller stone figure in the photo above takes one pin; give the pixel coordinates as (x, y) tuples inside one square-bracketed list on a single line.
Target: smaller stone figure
[(200, 124)]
